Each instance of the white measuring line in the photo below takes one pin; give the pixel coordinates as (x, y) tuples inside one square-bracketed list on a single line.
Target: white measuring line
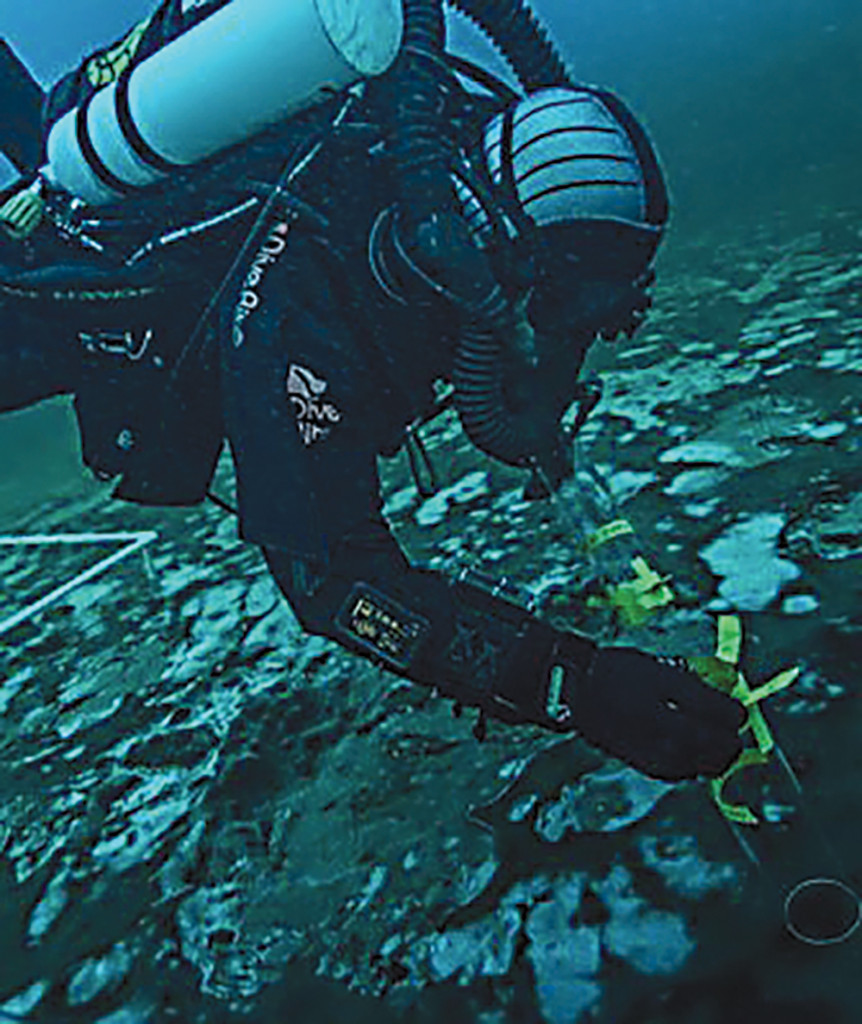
[(134, 542)]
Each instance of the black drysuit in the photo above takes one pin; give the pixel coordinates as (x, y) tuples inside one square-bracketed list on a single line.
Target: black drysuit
[(321, 371), (310, 369)]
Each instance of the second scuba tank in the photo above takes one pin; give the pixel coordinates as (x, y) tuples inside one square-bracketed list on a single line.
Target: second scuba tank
[(244, 68)]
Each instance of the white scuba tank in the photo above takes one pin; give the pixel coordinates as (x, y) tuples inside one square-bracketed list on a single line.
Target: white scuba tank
[(246, 67)]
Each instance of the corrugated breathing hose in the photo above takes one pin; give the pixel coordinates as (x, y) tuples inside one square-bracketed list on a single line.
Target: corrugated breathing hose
[(431, 233)]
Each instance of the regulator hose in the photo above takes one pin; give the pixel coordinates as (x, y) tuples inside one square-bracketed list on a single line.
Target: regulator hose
[(429, 229), (478, 379), (521, 39), (420, 146)]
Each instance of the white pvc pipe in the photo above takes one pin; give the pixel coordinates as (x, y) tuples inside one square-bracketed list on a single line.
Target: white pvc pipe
[(134, 542)]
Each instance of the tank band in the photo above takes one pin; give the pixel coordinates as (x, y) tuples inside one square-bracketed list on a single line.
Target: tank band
[(133, 137), (92, 158)]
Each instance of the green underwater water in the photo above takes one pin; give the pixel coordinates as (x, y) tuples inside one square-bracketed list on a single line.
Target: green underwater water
[(283, 826), (134, 717)]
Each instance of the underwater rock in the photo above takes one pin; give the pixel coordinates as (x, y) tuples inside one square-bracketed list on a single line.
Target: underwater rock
[(276, 630), (472, 881), (139, 1011), (625, 484), (745, 557), (565, 955), (47, 911), (262, 596), (181, 748), (678, 861), (800, 604), (96, 975), (215, 611), (651, 941), (485, 948), (830, 529), (521, 808), (142, 819), (811, 694), (842, 360), (399, 502), (210, 925), (606, 800), (23, 1003), (433, 510), (13, 685), (701, 509), (696, 481), (702, 452)]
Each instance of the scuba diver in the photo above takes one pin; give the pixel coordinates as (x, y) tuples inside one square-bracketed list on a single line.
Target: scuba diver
[(296, 272)]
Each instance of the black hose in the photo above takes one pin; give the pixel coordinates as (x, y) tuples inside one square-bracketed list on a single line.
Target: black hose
[(430, 232), (420, 146), (521, 39), (478, 379), (477, 373)]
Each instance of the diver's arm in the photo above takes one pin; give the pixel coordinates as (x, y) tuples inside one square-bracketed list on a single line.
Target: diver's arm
[(475, 643)]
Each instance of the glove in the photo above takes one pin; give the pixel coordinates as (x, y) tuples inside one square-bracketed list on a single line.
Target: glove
[(655, 713)]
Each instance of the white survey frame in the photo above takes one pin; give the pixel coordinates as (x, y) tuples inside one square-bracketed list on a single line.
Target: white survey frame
[(133, 542)]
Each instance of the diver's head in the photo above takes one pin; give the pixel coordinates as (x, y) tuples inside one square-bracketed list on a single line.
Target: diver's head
[(566, 195)]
